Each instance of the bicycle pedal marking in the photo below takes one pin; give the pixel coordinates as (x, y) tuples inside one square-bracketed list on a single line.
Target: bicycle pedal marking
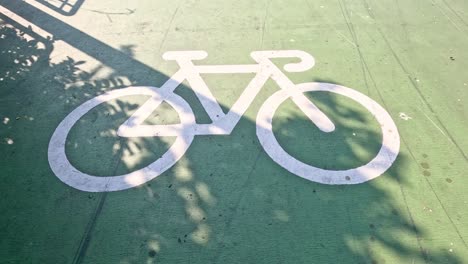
[(223, 124)]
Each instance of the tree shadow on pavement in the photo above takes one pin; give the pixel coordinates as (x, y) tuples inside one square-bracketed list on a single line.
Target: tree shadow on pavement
[(225, 201)]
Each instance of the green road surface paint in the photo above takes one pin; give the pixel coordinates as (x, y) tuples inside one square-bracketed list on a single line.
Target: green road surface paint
[(226, 200)]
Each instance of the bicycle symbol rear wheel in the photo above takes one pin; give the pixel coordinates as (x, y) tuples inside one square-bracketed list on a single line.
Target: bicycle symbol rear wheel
[(376, 167), (68, 174)]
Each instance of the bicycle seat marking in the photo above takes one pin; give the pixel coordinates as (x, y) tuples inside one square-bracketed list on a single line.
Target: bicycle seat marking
[(223, 124)]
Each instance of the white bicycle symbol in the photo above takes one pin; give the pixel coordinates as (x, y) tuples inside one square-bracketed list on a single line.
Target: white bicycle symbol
[(223, 124)]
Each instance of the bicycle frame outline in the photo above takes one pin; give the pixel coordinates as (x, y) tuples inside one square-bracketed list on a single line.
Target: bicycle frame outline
[(223, 124)]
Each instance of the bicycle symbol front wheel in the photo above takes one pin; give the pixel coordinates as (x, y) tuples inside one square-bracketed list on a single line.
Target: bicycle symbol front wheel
[(68, 174), (376, 167)]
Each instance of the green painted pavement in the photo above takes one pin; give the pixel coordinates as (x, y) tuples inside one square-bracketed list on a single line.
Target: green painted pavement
[(226, 201)]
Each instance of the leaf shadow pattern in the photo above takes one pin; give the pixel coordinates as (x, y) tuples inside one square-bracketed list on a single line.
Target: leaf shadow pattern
[(226, 201), (34, 92), (19, 54)]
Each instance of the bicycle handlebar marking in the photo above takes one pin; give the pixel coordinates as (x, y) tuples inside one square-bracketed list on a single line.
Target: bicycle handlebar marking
[(223, 124)]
